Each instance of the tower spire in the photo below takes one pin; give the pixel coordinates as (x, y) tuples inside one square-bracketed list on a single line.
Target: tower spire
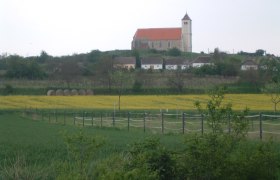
[(186, 17)]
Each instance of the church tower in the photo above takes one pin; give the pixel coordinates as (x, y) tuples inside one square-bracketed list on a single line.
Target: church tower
[(186, 34)]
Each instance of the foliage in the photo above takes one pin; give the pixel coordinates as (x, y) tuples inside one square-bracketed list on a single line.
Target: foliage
[(217, 114), (137, 86), (8, 89), (81, 149), (19, 68), (174, 52), (273, 90)]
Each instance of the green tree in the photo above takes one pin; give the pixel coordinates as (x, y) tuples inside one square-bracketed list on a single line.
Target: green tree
[(174, 52), (121, 80), (273, 91)]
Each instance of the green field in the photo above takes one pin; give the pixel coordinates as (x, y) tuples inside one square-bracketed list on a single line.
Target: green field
[(41, 147)]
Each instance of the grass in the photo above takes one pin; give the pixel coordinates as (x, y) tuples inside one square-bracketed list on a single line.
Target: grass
[(41, 144), (255, 102)]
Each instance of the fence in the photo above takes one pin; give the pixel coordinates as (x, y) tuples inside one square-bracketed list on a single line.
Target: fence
[(260, 125)]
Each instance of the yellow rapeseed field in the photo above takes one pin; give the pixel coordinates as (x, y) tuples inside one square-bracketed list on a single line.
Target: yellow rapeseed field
[(254, 102)]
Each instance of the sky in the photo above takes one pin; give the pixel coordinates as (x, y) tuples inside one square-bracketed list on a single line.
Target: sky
[(65, 27)]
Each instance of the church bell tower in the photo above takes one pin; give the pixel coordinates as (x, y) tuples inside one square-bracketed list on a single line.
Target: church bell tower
[(186, 34)]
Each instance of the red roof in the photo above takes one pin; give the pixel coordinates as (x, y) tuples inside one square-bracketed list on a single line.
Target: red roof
[(154, 34)]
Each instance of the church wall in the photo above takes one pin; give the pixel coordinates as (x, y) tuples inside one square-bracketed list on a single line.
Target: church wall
[(164, 44)]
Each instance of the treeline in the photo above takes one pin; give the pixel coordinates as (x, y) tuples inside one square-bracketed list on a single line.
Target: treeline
[(97, 68)]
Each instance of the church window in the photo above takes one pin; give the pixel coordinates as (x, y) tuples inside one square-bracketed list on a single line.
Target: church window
[(169, 44), (185, 22)]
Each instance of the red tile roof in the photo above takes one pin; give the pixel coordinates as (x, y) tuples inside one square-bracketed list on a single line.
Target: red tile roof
[(154, 34)]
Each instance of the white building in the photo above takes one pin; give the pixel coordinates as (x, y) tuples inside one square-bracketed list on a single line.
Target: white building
[(176, 64), (154, 63), (202, 61), (249, 65)]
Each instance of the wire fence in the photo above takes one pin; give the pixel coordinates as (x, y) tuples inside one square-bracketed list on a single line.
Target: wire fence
[(260, 125)]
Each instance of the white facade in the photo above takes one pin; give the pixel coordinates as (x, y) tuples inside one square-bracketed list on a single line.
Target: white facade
[(152, 66), (171, 67), (249, 67), (198, 65)]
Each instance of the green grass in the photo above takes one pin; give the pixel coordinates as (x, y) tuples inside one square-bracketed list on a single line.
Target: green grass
[(42, 143)]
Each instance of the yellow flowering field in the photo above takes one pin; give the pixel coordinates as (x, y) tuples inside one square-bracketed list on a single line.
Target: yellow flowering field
[(254, 102)]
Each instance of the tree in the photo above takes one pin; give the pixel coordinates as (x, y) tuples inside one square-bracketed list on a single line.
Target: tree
[(120, 79), (104, 68), (176, 81), (273, 91), (174, 52)]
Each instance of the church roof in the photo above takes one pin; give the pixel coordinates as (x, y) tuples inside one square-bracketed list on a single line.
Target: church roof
[(186, 17), (154, 34)]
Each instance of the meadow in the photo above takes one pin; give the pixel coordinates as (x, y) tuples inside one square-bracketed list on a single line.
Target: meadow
[(38, 147), (255, 102)]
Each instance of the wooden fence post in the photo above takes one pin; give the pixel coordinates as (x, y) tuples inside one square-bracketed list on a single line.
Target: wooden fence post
[(128, 119), (92, 118), (114, 119), (55, 114), (74, 118), (229, 123), (49, 116), (64, 117), (144, 121), (101, 120), (162, 123), (261, 128), (202, 124), (83, 118), (183, 122), (42, 115)]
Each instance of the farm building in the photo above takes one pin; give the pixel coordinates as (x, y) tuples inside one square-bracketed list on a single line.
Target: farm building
[(155, 63), (177, 64), (249, 65), (201, 61), (125, 62)]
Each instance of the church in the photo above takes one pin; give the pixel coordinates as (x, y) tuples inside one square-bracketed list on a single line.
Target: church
[(165, 38)]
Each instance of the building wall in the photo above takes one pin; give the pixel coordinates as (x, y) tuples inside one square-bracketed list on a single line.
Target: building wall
[(151, 66), (249, 67), (186, 36), (164, 44), (171, 67)]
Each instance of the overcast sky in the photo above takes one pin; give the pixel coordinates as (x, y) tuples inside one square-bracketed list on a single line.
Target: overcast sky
[(65, 27)]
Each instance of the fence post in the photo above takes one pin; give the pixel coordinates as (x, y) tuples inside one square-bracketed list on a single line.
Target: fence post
[(261, 128), (74, 118), (101, 119), (83, 118), (55, 113), (49, 116), (42, 115), (144, 121), (202, 125), (114, 119), (162, 123), (183, 122), (92, 118), (64, 117), (229, 124), (128, 119)]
